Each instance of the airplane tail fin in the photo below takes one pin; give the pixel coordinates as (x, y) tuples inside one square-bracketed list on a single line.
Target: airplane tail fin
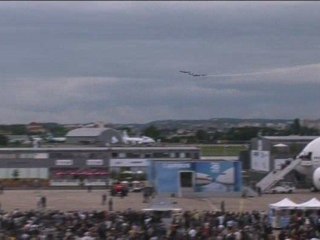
[(125, 134)]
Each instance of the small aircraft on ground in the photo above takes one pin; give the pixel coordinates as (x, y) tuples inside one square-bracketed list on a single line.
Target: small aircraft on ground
[(136, 140)]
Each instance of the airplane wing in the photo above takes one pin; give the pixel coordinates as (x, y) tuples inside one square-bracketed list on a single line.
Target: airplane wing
[(193, 74)]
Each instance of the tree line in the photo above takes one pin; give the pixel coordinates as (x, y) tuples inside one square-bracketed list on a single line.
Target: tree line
[(233, 134)]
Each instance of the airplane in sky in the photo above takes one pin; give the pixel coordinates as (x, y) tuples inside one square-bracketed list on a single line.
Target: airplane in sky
[(194, 74), (184, 71), (136, 140)]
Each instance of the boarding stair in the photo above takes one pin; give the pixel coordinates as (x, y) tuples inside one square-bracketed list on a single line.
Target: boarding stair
[(275, 176)]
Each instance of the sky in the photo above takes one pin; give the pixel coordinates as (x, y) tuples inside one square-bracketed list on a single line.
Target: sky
[(119, 62)]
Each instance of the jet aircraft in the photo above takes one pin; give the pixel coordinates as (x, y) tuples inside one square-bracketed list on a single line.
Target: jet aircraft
[(136, 140), (194, 74)]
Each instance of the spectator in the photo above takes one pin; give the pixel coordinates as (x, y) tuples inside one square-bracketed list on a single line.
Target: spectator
[(104, 199), (110, 204)]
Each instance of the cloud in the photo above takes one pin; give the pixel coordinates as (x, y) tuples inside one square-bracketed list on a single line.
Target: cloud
[(120, 61)]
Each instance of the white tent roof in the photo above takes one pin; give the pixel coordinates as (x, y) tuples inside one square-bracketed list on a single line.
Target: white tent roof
[(285, 203), (280, 145), (312, 203)]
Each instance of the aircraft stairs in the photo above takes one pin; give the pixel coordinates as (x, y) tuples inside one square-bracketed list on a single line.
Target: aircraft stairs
[(275, 176)]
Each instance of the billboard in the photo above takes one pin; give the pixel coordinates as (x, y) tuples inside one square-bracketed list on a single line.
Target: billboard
[(219, 176), (214, 176), (167, 175), (260, 160)]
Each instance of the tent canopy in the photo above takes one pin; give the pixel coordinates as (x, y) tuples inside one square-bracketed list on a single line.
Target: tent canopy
[(280, 145), (285, 203), (313, 203)]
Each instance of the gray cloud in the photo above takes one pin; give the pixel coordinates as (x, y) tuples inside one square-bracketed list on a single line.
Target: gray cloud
[(120, 61)]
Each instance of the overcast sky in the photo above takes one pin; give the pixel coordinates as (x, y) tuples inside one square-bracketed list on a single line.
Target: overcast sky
[(119, 62)]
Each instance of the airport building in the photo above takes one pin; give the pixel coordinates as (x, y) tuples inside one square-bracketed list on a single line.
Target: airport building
[(271, 152), (178, 170), (74, 166)]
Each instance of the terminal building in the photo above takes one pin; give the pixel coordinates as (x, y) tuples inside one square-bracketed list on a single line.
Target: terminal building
[(73, 166), (178, 170)]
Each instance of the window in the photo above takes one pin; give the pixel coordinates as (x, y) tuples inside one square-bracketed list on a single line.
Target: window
[(186, 179), (196, 156), (133, 155), (148, 155)]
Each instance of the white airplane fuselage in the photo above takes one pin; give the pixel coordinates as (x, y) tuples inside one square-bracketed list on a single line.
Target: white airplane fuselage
[(137, 140), (310, 162)]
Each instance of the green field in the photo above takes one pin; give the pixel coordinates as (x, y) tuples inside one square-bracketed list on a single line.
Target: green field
[(222, 150)]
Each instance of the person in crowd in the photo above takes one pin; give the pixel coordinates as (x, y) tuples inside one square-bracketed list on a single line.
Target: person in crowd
[(131, 225), (110, 203), (104, 199)]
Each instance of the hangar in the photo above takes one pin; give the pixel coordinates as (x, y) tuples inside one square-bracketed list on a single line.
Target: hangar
[(94, 136)]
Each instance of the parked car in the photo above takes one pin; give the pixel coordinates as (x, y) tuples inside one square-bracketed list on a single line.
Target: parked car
[(137, 186), (283, 188)]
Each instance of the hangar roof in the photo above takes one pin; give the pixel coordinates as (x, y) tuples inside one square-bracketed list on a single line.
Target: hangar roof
[(86, 132), (291, 137)]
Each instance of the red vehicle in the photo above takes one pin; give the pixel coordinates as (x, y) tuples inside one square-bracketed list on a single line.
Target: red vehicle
[(119, 189)]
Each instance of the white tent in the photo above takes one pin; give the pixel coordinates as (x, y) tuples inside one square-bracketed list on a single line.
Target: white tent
[(279, 212), (285, 203), (313, 203), (280, 145)]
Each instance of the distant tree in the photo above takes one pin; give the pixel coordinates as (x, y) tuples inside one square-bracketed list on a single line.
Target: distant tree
[(152, 132), (18, 129), (3, 140), (242, 134), (56, 130), (295, 127), (202, 136), (15, 174)]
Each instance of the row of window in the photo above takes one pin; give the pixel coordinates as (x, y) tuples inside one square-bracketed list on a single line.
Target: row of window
[(102, 155), (193, 155)]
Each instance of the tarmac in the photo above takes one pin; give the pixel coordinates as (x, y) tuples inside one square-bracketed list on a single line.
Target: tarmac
[(83, 200)]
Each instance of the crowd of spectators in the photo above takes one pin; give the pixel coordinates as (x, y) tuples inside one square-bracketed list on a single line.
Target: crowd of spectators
[(135, 225)]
